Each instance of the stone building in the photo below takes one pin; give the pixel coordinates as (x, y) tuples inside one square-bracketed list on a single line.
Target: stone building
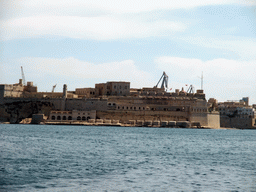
[(237, 114), (115, 101), (155, 104), (72, 115), (113, 88), (11, 90), (87, 92)]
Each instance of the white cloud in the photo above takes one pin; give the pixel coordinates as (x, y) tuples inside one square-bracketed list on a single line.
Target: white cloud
[(235, 47), (108, 6), (100, 28), (76, 73), (97, 19), (223, 78)]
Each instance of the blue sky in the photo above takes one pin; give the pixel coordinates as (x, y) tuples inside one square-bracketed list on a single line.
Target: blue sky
[(80, 43)]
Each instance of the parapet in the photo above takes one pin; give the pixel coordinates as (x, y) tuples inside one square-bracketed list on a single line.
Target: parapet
[(200, 91)]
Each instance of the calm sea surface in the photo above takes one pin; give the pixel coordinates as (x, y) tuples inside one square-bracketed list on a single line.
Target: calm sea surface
[(85, 158)]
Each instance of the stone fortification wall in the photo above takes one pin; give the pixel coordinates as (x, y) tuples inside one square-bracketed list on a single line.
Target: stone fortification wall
[(236, 122), (86, 104), (199, 117), (16, 109), (21, 108), (126, 116), (213, 119), (4, 116)]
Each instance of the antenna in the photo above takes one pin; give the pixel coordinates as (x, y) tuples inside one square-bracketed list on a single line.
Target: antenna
[(202, 80), (23, 76)]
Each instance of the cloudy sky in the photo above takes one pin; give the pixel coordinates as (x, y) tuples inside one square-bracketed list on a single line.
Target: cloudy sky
[(80, 43)]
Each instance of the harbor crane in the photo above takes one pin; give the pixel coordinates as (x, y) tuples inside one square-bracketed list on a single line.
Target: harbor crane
[(164, 81), (23, 77), (53, 87), (191, 89)]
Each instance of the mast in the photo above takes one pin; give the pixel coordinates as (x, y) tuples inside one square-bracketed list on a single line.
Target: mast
[(202, 80), (23, 76)]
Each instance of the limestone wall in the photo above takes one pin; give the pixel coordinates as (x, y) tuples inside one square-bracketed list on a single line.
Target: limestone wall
[(236, 122), (213, 120), (199, 117), (86, 104), (126, 116)]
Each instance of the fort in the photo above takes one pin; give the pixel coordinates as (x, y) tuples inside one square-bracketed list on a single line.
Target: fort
[(110, 103)]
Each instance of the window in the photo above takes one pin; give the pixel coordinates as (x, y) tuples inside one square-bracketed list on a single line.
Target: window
[(64, 118), (78, 118), (83, 118), (58, 118), (69, 118), (53, 117)]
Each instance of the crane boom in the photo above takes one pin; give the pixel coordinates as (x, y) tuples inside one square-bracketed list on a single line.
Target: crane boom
[(164, 82), (191, 89), (53, 87)]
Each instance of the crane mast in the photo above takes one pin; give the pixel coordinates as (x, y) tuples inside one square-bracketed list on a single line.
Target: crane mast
[(23, 76)]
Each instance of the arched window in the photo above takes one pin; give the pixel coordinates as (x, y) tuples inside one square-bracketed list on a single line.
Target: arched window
[(64, 118), (88, 118), (78, 118), (83, 118), (53, 117), (58, 118), (69, 118)]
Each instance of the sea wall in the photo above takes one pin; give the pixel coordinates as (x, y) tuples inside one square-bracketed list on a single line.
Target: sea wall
[(126, 116), (236, 122), (213, 120)]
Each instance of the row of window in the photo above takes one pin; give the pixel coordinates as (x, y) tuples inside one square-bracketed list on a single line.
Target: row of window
[(147, 108), (120, 87), (79, 118), (62, 112), (132, 108), (198, 110)]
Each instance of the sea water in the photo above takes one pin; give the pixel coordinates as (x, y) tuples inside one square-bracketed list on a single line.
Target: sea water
[(87, 158)]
